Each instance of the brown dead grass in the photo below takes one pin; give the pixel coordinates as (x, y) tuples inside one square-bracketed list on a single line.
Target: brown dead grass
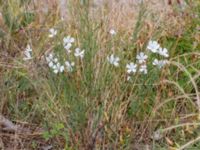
[(121, 14)]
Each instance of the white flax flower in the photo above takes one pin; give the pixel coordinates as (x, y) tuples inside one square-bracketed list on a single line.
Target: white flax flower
[(79, 53), (143, 69), (61, 68), (55, 60), (163, 52), (67, 47), (113, 60), (131, 68), (153, 46), (128, 78), (67, 43), (50, 64), (141, 57), (159, 63), (49, 57), (54, 64), (52, 32), (67, 40), (69, 66), (58, 68)]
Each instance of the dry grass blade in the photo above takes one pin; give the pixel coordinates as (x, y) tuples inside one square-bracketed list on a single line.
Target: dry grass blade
[(7, 124), (181, 67), (189, 143)]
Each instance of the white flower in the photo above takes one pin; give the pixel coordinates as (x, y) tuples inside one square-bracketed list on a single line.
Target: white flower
[(67, 43), (131, 68), (159, 63), (68, 40), (79, 53), (53, 32), (141, 57), (55, 60), (163, 52), (113, 60), (49, 58), (68, 46), (155, 62), (58, 65), (28, 48), (69, 66), (50, 64), (61, 68), (56, 71), (54, 64), (143, 69), (57, 68), (153, 46), (128, 78), (112, 32), (54, 67), (28, 53)]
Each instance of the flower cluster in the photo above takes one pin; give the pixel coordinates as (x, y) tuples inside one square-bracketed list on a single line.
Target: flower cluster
[(159, 63), (69, 66), (155, 47), (131, 68), (67, 43), (141, 59), (54, 64)]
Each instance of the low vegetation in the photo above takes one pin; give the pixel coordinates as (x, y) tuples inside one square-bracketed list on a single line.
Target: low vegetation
[(90, 81)]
